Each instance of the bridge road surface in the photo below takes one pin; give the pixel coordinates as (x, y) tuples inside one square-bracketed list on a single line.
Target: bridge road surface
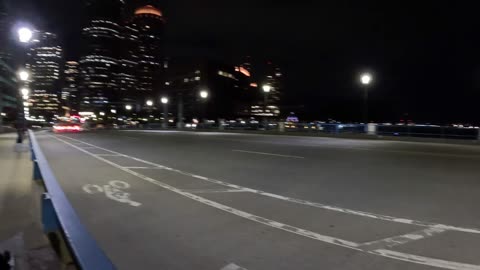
[(185, 200)]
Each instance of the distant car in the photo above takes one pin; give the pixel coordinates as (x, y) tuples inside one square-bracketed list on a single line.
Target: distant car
[(67, 127)]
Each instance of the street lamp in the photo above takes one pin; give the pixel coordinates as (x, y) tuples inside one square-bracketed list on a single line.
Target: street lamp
[(365, 79), (24, 91), (23, 75), (149, 103), (266, 90), (128, 107), (24, 34), (164, 101), (204, 94)]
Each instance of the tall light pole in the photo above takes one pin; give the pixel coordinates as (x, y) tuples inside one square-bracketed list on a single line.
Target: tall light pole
[(25, 35), (164, 101), (366, 80), (266, 90), (204, 96)]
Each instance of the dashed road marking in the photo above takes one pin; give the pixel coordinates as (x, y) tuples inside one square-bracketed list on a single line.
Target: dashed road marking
[(445, 264), (213, 190), (402, 239), (233, 266), (267, 154), (299, 201)]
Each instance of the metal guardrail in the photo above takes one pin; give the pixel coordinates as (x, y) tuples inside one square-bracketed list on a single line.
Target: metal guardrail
[(58, 215)]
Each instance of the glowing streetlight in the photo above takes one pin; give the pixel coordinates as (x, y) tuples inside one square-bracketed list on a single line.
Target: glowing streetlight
[(113, 111), (24, 34), (23, 75), (366, 79), (164, 101), (266, 88), (149, 103), (204, 94), (24, 91), (128, 107)]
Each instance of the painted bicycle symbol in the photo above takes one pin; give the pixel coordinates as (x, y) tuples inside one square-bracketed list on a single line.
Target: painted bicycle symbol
[(115, 190)]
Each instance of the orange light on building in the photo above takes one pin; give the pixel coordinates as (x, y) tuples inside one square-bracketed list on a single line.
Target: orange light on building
[(244, 71), (254, 85), (149, 9)]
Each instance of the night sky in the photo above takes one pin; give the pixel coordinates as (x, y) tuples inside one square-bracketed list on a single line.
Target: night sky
[(425, 55)]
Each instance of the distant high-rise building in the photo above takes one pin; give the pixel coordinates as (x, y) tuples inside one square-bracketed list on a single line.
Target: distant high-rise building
[(99, 63), (70, 95), (44, 61), (8, 86), (228, 88), (271, 76), (149, 23)]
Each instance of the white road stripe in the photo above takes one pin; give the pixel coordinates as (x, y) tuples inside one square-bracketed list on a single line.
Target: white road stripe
[(240, 213), (233, 266), (303, 202), (309, 234), (267, 154), (424, 260), (140, 168), (402, 239), (109, 155), (197, 191)]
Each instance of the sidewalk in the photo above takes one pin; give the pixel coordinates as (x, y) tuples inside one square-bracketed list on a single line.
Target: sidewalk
[(20, 222)]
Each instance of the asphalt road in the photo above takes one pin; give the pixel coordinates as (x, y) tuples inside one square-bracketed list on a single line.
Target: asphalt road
[(184, 200)]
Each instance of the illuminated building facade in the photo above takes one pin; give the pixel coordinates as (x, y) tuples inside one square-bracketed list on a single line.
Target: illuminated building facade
[(44, 62), (70, 94), (273, 77), (149, 23), (8, 86), (228, 87), (99, 63)]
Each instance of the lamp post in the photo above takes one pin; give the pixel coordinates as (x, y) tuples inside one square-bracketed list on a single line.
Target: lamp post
[(25, 35), (204, 96), (266, 90), (164, 101), (366, 80)]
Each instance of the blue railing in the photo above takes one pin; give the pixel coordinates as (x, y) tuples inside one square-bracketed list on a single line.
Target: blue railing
[(58, 215)]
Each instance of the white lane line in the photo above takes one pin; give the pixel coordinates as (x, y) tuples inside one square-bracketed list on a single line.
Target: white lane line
[(199, 191), (267, 154), (233, 266), (140, 168), (402, 239), (109, 155), (424, 260), (309, 234), (304, 202), (237, 212), (88, 147)]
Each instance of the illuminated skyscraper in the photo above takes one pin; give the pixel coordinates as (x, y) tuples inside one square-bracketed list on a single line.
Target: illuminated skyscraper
[(8, 87), (44, 61), (149, 23), (69, 97), (272, 76), (99, 63)]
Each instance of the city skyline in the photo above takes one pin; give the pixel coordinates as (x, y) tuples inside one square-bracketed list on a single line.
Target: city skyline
[(414, 79)]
